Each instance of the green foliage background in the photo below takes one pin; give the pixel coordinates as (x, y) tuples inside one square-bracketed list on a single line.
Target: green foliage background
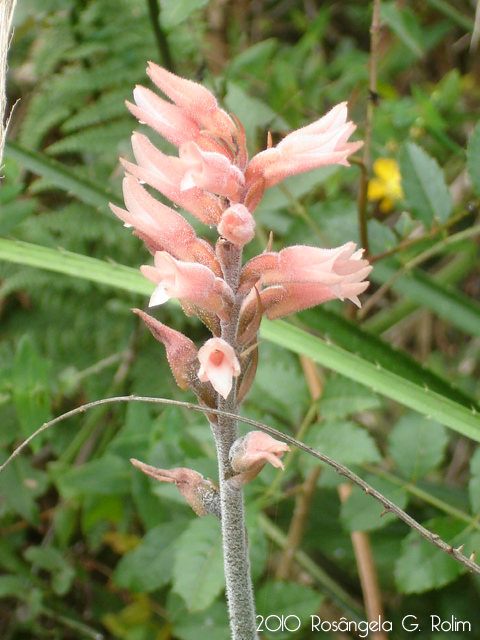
[(89, 548)]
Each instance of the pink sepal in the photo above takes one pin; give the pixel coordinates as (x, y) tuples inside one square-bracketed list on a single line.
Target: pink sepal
[(202, 494), (165, 228), (181, 351), (194, 99), (248, 455), (194, 283), (166, 118), (209, 170), (165, 173), (321, 143)]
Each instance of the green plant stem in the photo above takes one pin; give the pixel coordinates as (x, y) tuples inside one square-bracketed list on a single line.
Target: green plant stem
[(160, 37), (427, 497)]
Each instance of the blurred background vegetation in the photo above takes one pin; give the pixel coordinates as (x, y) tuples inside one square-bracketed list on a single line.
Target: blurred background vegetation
[(88, 547)]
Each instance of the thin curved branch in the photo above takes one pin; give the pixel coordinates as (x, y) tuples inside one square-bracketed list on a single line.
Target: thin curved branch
[(389, 506)]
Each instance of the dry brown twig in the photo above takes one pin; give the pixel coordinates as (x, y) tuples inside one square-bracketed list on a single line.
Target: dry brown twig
[(6, 16), (342, 470)]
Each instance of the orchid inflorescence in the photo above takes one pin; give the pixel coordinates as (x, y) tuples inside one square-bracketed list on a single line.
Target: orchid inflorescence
[(213, 179)]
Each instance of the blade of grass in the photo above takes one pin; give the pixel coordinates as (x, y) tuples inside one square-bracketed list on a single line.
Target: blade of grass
[(63, 177), (393, 386)]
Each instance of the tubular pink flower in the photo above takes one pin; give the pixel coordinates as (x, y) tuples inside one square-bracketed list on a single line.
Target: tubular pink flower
[(248, 455), (300, 277), (165, 228), (218, 365), (165, 174), (237, 225), (166, 118), (188, 281), (209, 170), (321, 143), (194, 99), (201, 494)]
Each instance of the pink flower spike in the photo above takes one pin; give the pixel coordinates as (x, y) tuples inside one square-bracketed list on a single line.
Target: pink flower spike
[(209, 170), (196, 101), (202, 494), (219, 365), (166, 118), (321, 143), (237, 225), (188, 281)]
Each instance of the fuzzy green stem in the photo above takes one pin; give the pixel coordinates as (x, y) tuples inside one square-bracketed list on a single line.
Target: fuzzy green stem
[(239, 587)]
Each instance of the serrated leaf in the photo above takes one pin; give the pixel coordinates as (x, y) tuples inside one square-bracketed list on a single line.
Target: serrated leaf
[(417, 445), (424, 185), (342, 397), (292, 603), (198, 566), (421, 566), (362, 513), (345, 442), (473, 159), (149, 566)]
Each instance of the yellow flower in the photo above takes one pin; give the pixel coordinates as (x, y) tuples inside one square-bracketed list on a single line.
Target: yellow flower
[(386, 186)]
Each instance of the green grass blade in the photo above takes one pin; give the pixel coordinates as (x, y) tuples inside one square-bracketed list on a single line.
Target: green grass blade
[(76, 265), (394, 386), (431, 404), (355, 339), (62, 176), (451, 305)]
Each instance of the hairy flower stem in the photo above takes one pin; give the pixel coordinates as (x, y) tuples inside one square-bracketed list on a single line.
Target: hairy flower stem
[(235, 547)]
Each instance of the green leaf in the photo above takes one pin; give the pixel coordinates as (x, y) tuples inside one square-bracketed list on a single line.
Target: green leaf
[(421, 566), (400, 388), (52, 560), (20, 484), (424, 185), (149, 566), (63, 177), (74, 264), (387, 383), (447, 302), (402, 22), (174, 12), (473, 159), (362, 513), (474, 483), (30, 381), (106, 476), (198, 566), (417, 445), (212, 623), (342, 397), (292, 603), (345, 442)]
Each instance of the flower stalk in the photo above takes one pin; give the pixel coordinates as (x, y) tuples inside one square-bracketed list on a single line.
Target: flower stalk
[(213, 180)]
